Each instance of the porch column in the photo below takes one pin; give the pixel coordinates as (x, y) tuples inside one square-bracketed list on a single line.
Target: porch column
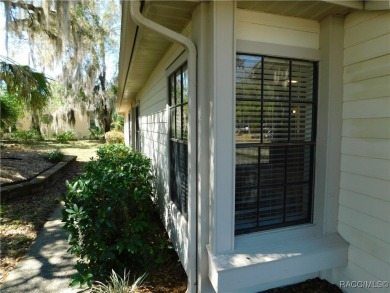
[(330, 109), (222, 128)]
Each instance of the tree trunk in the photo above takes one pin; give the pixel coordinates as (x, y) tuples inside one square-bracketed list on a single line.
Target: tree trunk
[(107, 125), (35, 123)]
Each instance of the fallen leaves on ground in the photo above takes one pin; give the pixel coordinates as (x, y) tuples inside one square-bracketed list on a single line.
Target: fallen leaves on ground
[(22, 219)]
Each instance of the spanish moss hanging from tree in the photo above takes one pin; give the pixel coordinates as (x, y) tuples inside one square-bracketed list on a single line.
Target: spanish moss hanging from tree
[(76, 36)]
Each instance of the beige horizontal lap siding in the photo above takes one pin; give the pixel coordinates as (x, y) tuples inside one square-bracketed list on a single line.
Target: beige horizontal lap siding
[(277, 29), (153, 122), (364, 215), (154, 129)]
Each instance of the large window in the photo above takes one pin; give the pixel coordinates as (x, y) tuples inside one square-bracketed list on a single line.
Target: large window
[(275, 142), (178, 102)]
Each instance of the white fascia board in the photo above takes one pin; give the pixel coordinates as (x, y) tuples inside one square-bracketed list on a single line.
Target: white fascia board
[(127, 40), (377, 5), (355, 4)]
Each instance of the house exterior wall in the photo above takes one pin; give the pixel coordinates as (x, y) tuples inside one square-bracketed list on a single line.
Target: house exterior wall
[(154, 128), (277, 29), (254, 260), (80, 128), (353, 128), (364, 213)]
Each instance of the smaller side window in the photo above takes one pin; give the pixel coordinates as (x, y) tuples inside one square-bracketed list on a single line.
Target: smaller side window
[(178, 136), (137, 131)]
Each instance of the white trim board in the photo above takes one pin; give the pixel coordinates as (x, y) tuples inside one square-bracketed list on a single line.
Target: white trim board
[(277, 50)]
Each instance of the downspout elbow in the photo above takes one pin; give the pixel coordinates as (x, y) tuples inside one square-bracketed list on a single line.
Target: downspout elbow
[(141, 21)]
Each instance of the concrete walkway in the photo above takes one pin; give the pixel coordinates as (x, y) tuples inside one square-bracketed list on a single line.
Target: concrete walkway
[(47, 266)]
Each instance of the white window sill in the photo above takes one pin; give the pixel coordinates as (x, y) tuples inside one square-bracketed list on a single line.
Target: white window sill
[(266, 260)]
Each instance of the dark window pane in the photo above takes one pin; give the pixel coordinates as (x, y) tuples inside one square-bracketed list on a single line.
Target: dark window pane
[(302, 81), (179, 184), (178, 133), (185, 84), (178, 122), (173, 122), (275, 122), (272, 172), (301, 122), (248, 121), (276, 79), (246, 209), (248, 77), (298, 163), (172, 90), (275, 115), (178, 88), (185, 122), (246, 167), (271, 206), (297, 202)]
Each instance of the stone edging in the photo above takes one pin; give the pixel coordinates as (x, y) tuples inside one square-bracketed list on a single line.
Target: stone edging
[(37, 184)]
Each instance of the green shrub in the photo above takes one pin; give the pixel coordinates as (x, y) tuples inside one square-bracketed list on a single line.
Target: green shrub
[(109, 216), (54, 156), (114, 137), (10, 110), (27, 135), (66, 136)]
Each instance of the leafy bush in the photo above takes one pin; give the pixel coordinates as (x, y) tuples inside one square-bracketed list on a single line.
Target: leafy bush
[(118, 122), (66, 136), (114, 137), (10, 110), (117, 284), (54, 156), (96, 133), (109, 215), (26, 135)]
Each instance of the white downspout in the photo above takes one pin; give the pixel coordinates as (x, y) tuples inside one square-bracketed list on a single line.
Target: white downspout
[(141, 21)]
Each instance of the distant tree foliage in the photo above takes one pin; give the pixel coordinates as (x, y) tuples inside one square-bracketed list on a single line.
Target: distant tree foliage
[(23, 86), (80, 36), (9, 110)]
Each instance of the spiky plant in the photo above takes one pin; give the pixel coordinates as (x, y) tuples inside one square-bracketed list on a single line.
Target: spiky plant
[(117, 284)]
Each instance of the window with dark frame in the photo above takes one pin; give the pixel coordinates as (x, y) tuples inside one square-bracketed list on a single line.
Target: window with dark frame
[(178, 137), (276, 106), (137, 131), (130, 126)]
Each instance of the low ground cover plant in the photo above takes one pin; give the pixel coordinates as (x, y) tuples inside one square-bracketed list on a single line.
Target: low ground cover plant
[(118, 284), (54, 156), (111, 218), (66, 136), (26, 136)]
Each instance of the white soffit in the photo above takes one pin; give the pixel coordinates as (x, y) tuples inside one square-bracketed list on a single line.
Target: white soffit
[(137, 63)]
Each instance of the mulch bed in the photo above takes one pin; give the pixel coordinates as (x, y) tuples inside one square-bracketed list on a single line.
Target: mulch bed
[(21, 165)]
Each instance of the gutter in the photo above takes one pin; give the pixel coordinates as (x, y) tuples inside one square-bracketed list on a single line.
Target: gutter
[(142, 21)]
